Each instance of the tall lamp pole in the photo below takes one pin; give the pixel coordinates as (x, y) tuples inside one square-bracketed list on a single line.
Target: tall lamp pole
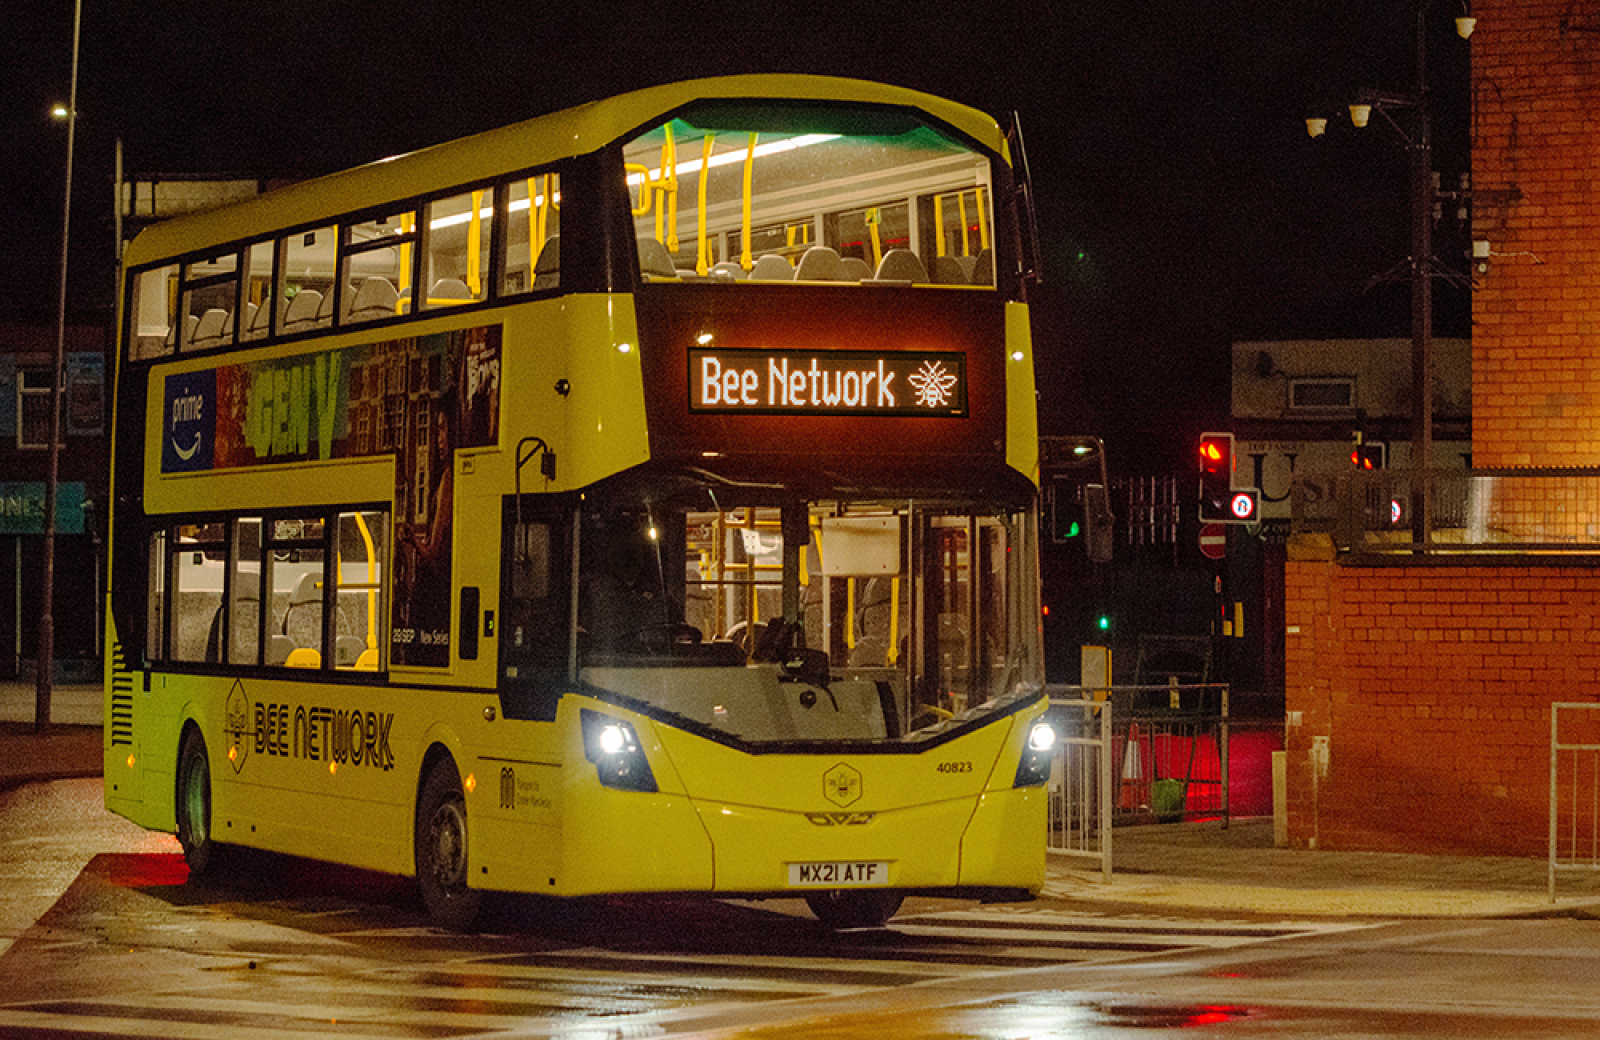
[(46, 653), (1419, 149)]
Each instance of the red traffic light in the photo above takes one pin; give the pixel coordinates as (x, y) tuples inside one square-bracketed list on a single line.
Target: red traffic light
[(1367, 456), (1216, 453)]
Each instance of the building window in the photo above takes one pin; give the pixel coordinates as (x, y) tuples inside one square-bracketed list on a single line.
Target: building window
[(33, 407), (1322, 394)]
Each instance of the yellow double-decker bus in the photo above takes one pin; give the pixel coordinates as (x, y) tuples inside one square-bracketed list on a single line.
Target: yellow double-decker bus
[(640, 498)]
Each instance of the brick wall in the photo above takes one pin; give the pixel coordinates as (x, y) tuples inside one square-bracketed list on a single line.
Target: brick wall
[(1432, 687), (1536, 201)]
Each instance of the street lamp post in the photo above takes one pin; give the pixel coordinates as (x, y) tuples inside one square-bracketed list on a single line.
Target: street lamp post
[(1419, 148), (46, 652)]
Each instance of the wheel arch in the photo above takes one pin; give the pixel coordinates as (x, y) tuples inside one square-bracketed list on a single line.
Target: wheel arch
[(438, 749)]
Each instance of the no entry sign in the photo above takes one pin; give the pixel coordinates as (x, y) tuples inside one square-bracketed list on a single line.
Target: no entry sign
[(1214, 541)]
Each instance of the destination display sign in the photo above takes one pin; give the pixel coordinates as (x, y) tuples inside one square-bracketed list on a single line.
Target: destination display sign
[(828, 382)]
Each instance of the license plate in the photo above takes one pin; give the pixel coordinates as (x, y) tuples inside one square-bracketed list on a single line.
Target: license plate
[(839, 874)]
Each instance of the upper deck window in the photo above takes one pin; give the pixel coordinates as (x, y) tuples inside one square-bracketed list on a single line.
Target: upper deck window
[(738, 191)]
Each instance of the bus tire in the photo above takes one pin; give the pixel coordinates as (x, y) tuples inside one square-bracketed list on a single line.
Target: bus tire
[(193, 807), (441, 850), (858, 908)]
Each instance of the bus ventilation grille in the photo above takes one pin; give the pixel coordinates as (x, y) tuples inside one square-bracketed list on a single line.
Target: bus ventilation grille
[(120, 721)]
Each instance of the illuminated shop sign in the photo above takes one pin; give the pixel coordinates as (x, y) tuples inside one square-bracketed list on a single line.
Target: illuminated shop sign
[(831, 382)]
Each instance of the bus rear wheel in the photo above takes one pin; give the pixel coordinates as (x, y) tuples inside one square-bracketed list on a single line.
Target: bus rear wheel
[(441, 850), (200, 851), (861, 908)]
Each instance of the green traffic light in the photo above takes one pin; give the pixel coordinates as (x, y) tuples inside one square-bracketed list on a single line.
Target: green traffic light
[(1073, 529), (1103, 622)]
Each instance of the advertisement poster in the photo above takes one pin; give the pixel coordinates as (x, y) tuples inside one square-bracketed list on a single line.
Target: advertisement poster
[(418, 398)]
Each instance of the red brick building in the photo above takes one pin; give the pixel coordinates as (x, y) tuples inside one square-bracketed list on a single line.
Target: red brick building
[(1418, 688)]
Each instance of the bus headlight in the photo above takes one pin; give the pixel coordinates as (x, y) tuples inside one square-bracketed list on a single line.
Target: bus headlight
[(613, 747), (1034, 769)]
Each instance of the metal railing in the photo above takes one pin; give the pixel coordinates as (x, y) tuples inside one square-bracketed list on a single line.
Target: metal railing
[(1172, 751), (1081, 780), (1574, 789), (1135, 754), (1452, 512)]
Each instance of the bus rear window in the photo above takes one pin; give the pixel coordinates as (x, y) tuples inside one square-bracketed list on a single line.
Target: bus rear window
[(744, 194)]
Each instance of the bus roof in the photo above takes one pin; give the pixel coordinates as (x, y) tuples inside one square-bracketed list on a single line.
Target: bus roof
[(534, 142)]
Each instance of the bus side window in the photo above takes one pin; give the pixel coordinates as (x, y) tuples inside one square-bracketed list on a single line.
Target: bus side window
[(156, 602), (199, 552), (530, 246), (295, 560), (455, 265), (150, 317), (244, 595), (361, 631)]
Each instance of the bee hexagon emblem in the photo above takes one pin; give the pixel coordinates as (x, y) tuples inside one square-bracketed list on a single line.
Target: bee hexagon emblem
[(841, 784), (236, 726)]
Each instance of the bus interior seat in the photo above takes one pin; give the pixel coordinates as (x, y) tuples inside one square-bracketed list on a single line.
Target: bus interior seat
[(772, 268), (210, 329), (947, 271), (449, 291), (189, 323), (367, 660), (279, 647), (325, 309), (347, 651), (547, 269), (969, 264), (983, 268), (301, 314), (303, 657), (260, 319), (726, 270), (214, 638), (654, 260), (856, 269), (249, 319), (901, 265), (375, 299), (820, 264), (244, 640), (302, 618)]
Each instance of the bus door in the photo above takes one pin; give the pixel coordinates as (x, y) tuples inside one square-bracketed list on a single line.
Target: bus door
[(538, 636)]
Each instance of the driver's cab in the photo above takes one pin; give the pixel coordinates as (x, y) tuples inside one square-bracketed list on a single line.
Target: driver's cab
[(768, 617)]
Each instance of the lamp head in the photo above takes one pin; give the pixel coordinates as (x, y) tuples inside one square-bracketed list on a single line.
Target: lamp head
[(1360, 114), (1316, 126), (1464, 27)]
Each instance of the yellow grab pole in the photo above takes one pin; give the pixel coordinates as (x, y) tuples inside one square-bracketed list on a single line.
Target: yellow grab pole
[(983, 225), (407, 225), (961, 202), (850, 613), (372, 582), (702, 262), (669, 189), (745, 259), (475, 246), (894, 621)]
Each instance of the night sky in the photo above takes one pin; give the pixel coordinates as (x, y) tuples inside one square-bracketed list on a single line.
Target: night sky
[(1181, 203)]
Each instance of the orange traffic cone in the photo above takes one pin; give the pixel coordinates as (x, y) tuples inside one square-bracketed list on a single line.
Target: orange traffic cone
[(1132, 768)]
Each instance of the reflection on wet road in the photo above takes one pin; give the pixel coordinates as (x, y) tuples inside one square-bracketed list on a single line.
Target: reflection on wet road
[(299, 948)]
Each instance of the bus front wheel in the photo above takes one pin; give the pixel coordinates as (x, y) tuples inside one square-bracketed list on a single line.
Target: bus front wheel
[(200, 851), (441, 849), (861, 908)]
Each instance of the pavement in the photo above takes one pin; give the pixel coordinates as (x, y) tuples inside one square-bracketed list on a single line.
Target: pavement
[(1203, 867)]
